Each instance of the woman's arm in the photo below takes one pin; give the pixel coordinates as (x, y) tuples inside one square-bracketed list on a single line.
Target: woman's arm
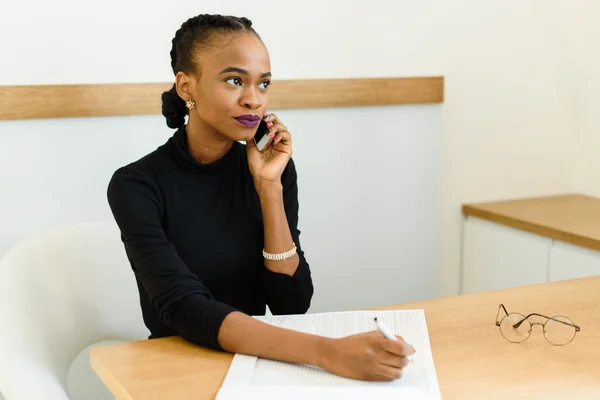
[(366, 356), (241, 333), (182, 301), (288, 283), (278, 238)]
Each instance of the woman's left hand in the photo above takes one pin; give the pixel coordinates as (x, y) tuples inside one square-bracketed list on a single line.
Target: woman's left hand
[(267, 166)]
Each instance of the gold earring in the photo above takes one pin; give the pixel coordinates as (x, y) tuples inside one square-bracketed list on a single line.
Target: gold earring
[(190, 104)]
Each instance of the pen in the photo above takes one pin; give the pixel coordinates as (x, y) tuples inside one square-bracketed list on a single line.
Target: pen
[(387, 333), (384, 329)]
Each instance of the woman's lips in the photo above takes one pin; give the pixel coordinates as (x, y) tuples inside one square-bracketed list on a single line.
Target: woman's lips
[(248, 120)]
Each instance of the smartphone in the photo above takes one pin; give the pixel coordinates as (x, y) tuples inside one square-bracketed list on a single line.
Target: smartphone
[(261, 138)]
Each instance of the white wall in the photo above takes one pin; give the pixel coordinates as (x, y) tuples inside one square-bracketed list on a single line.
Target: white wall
[(509, 125), (129, 41), (587, 64)]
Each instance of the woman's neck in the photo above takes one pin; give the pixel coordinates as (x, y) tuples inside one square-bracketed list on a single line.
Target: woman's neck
[(204, 143)]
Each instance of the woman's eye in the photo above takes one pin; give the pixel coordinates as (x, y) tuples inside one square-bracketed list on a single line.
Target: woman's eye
[(265, 84), (234, 81)]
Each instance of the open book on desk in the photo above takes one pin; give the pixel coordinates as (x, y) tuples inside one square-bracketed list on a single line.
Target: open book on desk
[(257, 378)]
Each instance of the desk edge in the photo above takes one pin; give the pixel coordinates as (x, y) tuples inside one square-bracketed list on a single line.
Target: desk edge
[(108, 379)]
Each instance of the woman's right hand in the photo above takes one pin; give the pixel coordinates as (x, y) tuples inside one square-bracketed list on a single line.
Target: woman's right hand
[(367, 356)]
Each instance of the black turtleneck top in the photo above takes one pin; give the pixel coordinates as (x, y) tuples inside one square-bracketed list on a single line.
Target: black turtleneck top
[(193, 235)]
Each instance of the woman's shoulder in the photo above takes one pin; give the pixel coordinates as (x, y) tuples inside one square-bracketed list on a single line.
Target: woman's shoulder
[(137, 178), (147, 165), (142, 168)]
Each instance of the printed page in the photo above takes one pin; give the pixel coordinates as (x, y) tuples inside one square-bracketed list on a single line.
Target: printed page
[(318, 393), (251, 373)]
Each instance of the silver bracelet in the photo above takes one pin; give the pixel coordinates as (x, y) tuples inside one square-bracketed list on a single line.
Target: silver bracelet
[(280, 256)]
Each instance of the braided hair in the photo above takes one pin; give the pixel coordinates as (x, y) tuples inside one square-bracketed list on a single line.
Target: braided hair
[(195, 34)]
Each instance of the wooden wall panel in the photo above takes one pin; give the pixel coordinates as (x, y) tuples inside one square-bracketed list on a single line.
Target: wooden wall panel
[(65, 101)]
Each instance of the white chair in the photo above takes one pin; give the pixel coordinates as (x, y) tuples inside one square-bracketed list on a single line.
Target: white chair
[(62, 292)]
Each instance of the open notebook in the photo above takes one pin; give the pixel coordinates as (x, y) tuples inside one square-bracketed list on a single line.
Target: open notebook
[(256, 378)]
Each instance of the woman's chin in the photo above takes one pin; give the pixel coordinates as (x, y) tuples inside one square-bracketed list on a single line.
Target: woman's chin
[(243, 136), (239, 134)]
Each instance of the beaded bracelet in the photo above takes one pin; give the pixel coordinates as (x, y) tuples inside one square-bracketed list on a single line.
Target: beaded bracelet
[(280, 256)]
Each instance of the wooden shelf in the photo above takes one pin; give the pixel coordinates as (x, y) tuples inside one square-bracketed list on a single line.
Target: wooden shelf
[(66, 101), (571, 218)]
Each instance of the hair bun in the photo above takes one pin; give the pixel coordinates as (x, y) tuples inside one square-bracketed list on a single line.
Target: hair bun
[(246, 22), (173, 108)]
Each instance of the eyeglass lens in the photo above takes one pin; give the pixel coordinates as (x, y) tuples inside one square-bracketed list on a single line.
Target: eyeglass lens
[(515, 335), (558, 330), (559, 333)]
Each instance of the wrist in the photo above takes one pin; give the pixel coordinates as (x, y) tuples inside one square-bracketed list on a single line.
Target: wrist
[(268, 188), (325, 352)]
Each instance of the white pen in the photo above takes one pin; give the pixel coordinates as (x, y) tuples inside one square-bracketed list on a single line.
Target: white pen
[(387, 333)]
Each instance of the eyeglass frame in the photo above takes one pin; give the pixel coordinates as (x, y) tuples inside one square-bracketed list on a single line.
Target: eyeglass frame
[(516, 326)]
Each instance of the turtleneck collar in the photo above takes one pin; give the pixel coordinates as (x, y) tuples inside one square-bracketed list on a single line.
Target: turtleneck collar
[(180, 150)]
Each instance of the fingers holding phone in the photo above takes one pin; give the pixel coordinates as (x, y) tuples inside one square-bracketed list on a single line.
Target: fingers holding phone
[(272, 119), (272, 130), (270, 151), (279, 133)]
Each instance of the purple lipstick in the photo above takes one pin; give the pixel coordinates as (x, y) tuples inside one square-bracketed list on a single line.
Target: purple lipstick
[(248, 120)]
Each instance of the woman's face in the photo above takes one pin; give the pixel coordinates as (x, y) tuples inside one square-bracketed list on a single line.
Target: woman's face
[(231, 92)]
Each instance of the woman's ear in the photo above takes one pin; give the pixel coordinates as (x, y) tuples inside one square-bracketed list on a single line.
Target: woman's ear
[(183, 85)]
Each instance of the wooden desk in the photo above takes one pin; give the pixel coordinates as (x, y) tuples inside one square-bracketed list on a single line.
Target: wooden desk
[(571, 218), (472, 359)]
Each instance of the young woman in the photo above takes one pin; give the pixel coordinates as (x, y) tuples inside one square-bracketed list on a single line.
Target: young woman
[(210, 225)]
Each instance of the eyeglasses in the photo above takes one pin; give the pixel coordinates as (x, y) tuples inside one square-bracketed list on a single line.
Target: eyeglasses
[(516, 328)]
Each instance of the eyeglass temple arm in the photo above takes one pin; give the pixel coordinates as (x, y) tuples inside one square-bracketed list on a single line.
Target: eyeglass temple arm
[(543, 316), (501, 306)]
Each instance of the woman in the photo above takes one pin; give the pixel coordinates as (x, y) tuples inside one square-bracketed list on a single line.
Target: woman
[(210, 225)]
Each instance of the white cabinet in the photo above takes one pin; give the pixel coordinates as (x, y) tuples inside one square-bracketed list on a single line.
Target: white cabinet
[(495, 256), (498, 257), (569, 262)]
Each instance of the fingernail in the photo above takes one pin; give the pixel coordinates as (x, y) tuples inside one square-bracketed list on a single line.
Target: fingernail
[(272, 135), (269, 124)]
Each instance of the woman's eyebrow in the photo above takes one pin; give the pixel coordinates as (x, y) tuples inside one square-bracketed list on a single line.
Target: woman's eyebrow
[(242, 71)]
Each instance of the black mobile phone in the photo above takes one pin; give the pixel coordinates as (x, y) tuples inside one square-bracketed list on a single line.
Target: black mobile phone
[(261, 138)]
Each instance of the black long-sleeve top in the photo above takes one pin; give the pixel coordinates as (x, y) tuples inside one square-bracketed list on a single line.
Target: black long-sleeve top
[(194, 236)]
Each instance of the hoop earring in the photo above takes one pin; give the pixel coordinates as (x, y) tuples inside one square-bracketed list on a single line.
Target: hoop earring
[(190, 104)]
